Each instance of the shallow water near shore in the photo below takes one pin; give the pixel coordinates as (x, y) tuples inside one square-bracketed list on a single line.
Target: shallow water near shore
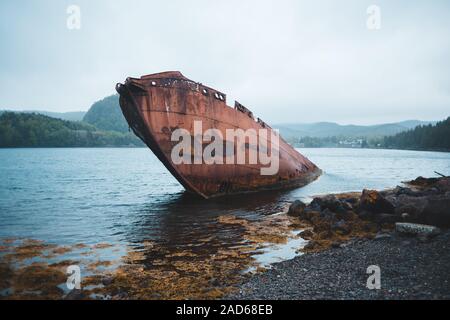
[(125, 198)]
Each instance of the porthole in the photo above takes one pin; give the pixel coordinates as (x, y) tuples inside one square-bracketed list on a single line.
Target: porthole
[(205, 92), (153, 83)]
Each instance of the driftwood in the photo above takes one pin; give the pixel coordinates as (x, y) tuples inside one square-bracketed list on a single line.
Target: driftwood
[(440, 174)]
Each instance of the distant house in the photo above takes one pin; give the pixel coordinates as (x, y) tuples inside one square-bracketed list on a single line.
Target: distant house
[(351, 143)]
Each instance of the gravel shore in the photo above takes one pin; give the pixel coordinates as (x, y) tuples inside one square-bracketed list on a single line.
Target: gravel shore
[(410, 269)]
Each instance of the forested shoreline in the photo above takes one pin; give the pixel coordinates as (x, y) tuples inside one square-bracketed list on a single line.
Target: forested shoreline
[(36, 130), (104, 126), (430, 137)]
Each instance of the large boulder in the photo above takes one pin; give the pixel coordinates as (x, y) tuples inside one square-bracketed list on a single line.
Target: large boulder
[(423, 182), (414, 206), (437, 212), (441, 184), (297, 208), (399, 190), (328, 215), (373, 201), (330, 202)]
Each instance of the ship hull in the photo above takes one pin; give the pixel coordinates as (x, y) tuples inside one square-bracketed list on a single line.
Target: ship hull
[(157, 105)]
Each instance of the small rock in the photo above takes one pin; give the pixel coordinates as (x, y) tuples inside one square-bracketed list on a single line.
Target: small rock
[(346, 244), (214, 282), (107, 281), (382, 236), (307, 234), (405, 216), (335, 245), (341, 226), (123, 295), (416, 229), (347, 205), (328, 214), (423, 238), (75, 294), (311, 245)]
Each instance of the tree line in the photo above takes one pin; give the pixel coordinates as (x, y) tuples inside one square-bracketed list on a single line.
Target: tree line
[(36, 130), (425, 137)]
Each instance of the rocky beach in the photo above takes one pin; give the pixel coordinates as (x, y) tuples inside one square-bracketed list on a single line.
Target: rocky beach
[(410, 269), (402, 231)]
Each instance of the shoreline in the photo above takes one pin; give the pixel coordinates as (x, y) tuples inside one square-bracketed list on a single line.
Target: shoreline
[(350, 232), (340, 235), (409, 269)]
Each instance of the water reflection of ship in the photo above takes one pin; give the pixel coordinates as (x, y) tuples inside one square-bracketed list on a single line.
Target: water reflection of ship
[(169, 231), (180, 219)]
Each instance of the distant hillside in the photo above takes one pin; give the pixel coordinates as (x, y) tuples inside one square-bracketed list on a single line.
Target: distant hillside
[(330, 129), (107, 115), (36, 130), (424, 137), (105, 125), (71, 116)]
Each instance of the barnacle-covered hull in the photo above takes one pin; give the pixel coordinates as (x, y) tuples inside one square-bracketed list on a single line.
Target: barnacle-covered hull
[(158, 104)]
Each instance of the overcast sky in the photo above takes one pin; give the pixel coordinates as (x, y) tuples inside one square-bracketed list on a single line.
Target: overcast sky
[(288, 61)]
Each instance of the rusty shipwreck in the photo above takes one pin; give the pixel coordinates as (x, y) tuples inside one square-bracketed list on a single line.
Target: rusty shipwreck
[(155, 105)]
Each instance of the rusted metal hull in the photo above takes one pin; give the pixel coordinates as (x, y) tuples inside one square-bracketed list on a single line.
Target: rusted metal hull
[(156, 105)]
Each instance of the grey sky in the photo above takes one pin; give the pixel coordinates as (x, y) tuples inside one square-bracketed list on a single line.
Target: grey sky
[(288, 61)]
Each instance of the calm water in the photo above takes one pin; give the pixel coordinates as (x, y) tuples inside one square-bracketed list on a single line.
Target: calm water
[(126, 196)]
